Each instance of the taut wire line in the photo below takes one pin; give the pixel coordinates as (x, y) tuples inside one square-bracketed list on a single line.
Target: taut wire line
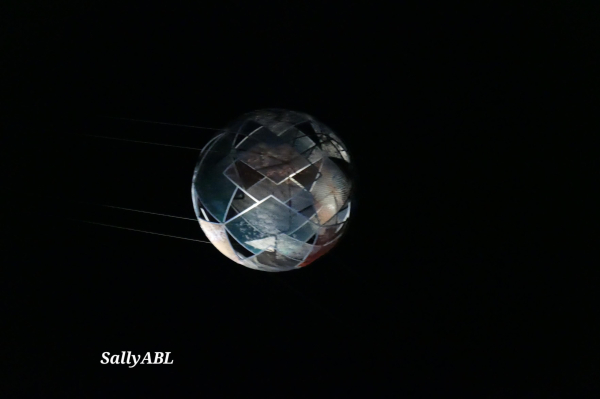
[(139, 231), (142, 142), (132, 210)]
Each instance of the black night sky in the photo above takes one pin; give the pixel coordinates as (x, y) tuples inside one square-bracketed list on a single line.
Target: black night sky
[(470, 268)]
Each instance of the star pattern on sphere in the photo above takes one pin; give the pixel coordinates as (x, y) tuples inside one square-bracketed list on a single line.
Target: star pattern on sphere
[(273, 191)]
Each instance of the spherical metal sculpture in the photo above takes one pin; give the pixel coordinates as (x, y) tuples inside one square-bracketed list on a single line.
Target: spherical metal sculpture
[(272, 191)]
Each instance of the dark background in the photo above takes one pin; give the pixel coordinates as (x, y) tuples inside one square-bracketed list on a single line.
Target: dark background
[(471, 264)]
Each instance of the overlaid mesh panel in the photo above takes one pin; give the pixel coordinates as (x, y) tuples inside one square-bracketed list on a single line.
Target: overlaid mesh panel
[(305, 231), (307, 176), (276, 259), (301, 142), (267, 263), (277, 162), (273, 217), (242, 175), (263, 180), (330, 191), (266, 187), (331, 150), (327, 234), (301, 201), (313, 154), (291, 247), (241, 201), (244, 232), (258, 139)]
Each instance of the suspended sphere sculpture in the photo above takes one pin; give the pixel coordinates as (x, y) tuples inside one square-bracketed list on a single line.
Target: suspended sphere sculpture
[(272, 191)]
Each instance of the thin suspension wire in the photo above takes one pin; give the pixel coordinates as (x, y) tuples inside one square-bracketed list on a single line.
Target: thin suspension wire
[(143, 142), (140, 231), (162, 123), (132, 210)]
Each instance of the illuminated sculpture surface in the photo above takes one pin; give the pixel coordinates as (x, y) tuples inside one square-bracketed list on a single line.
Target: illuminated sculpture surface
[(272, 191)]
